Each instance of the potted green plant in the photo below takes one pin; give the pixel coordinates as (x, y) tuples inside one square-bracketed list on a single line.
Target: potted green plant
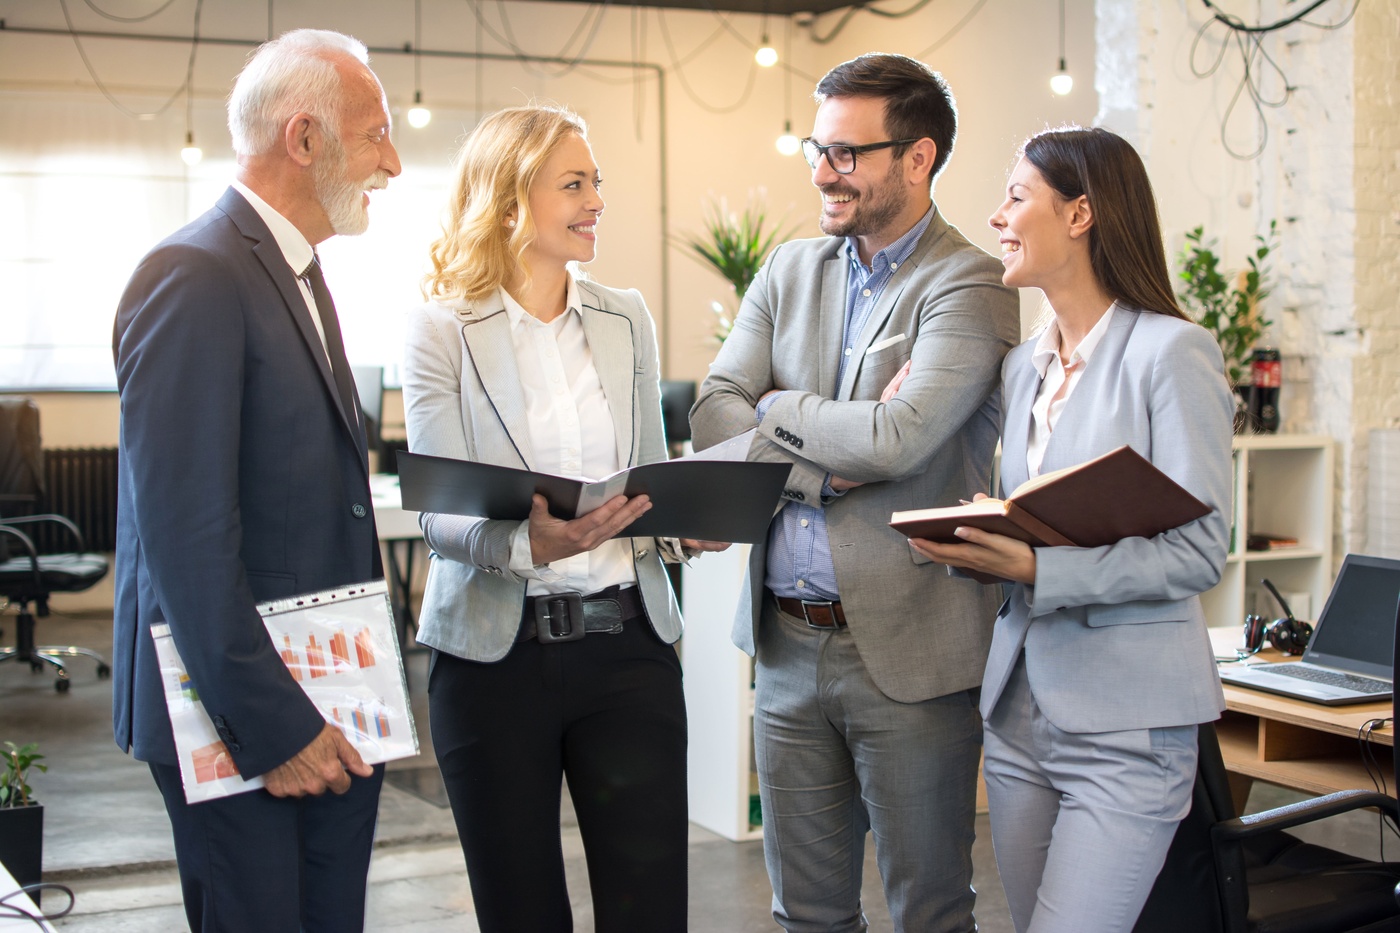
[(1228, 306), (735, 246), (21, 816)]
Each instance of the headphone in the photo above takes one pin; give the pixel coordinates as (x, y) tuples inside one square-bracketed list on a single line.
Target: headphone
[(1289, 635)]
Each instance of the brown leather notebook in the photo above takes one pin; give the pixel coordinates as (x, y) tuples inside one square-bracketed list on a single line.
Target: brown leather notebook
[(1101, 501)]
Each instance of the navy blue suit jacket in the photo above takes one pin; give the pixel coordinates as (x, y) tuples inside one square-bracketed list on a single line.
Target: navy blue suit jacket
[(242, 480)]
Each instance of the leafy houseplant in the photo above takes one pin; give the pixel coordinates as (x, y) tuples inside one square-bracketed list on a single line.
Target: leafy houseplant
[(1229, 310), (21, 817), (735, 246)]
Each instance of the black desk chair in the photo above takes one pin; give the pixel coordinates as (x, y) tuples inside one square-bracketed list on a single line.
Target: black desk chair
[(1246, 875), (26, 576)]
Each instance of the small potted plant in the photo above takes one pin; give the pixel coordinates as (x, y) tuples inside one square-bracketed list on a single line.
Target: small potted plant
[(1228, 306), (21, 816), (735, 246)]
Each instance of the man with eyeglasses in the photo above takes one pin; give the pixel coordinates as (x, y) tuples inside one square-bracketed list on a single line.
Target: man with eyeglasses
[(866, 357)]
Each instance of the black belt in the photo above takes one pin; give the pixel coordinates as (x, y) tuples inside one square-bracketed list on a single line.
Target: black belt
[(816, 613), (568, 616)]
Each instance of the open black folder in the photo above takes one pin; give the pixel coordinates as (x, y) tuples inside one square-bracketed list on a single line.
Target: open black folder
[(711, 500)]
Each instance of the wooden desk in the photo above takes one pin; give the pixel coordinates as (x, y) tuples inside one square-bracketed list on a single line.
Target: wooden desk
[(1306, 746)]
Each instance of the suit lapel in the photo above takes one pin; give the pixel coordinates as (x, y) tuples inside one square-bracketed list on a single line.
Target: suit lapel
[(1022, 383), (609, 338), (1090, 396), (832, 321), (270, 255), (492, 351)]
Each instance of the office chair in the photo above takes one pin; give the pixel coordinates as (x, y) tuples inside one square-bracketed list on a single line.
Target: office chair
[(1246, 875), (26, 576)]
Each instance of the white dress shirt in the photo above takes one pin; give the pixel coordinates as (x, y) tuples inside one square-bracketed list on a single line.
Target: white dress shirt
[(1057, 381), (295, 249), (571, 433)]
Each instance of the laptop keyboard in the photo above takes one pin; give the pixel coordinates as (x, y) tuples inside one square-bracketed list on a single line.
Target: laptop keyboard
[(1331, 678)]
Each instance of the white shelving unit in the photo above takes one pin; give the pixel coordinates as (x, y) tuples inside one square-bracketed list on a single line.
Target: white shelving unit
[(1283, 486), (718, 695)]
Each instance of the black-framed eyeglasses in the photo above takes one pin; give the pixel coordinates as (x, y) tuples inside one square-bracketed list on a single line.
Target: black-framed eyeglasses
[(842, 159)]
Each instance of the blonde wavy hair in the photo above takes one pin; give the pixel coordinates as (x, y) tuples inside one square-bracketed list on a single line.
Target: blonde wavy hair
[(477, 253)]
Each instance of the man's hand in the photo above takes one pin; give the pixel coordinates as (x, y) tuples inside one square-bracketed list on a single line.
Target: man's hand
[(325, 764), (554, 539)]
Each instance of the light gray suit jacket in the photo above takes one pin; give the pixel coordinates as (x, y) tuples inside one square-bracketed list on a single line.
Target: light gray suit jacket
[(1114, 636), (462, 399), (920, 632)]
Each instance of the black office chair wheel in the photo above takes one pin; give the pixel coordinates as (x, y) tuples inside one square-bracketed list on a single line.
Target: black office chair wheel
[(103, 671), (62, 685)]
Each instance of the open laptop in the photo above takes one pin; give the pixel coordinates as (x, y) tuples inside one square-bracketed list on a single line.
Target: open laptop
[(1350, 658)]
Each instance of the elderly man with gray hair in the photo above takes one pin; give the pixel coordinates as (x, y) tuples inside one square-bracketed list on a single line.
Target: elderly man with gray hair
[(244, 479)]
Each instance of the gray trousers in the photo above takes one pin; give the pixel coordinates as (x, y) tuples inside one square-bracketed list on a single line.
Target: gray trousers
[(836, 759), (1081, 823)]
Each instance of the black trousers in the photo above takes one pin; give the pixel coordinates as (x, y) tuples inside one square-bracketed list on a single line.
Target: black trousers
[(255, 862), (607, 713)]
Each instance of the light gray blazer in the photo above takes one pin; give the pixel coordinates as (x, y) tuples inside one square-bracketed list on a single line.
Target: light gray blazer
[(920, 632), (462, 399), (1114, 636)]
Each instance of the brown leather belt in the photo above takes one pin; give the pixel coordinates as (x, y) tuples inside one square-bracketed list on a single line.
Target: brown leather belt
[(568, 616), (817, 614)]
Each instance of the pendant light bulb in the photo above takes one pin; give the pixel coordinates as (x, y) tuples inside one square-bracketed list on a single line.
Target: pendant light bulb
[(1062, 82), (191, 154), (788, 144), (766, 56), (419, 116)]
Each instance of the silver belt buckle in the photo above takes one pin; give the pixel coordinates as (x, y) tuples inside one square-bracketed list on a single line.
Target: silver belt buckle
[(831, 613)]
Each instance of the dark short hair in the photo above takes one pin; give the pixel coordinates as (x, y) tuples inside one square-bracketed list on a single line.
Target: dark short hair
[(918, 102), (1125, 242)]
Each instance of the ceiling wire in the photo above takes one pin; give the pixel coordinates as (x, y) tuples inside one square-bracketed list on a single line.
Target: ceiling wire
[(1249, 42), (690, 91), (187, 86), (506, 37), (957, 28), (128, 19), (851, 11)]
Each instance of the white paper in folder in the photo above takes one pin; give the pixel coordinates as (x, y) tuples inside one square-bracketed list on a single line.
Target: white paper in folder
[(341, 647)]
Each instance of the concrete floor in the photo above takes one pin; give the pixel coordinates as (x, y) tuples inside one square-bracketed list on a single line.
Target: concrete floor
[(107, 838)]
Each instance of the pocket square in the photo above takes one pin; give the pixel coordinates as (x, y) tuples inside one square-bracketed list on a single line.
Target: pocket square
[(885, 344)]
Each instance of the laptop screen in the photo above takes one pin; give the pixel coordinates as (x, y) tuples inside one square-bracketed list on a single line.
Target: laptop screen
[(1356, 630)]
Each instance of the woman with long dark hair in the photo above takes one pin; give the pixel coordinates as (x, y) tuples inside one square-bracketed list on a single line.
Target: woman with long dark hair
[(1100, 666)]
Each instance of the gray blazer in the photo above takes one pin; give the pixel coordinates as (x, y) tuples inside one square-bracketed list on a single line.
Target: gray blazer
[(1114, 636), (920, 632), (462, 399)]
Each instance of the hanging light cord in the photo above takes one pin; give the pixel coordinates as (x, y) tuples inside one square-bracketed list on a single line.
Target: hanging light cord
[(957, 28), (1249, 42), (128, 19), (92, 72)]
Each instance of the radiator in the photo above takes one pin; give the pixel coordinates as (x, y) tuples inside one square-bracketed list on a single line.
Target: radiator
[(80, 483)]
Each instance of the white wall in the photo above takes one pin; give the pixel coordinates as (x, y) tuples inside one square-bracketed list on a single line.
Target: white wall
[(1001, 89)]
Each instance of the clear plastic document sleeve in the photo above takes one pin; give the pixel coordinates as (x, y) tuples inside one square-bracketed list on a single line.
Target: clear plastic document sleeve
[(342, 648)]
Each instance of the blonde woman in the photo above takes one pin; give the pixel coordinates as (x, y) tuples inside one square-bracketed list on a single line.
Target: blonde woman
[(551, 639)]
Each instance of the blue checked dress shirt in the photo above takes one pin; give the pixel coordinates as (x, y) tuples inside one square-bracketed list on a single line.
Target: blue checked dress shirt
[(799, 551)]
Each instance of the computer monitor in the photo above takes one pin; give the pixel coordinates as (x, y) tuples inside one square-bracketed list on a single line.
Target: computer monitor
[(369, 385), (677, 398)]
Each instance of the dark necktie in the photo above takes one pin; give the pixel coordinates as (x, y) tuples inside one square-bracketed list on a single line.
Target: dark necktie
[(335, 346)]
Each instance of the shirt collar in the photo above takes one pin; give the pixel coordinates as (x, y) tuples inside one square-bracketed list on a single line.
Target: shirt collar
[(295, 248), (517, 314), (899, 250), (1048, 346)]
